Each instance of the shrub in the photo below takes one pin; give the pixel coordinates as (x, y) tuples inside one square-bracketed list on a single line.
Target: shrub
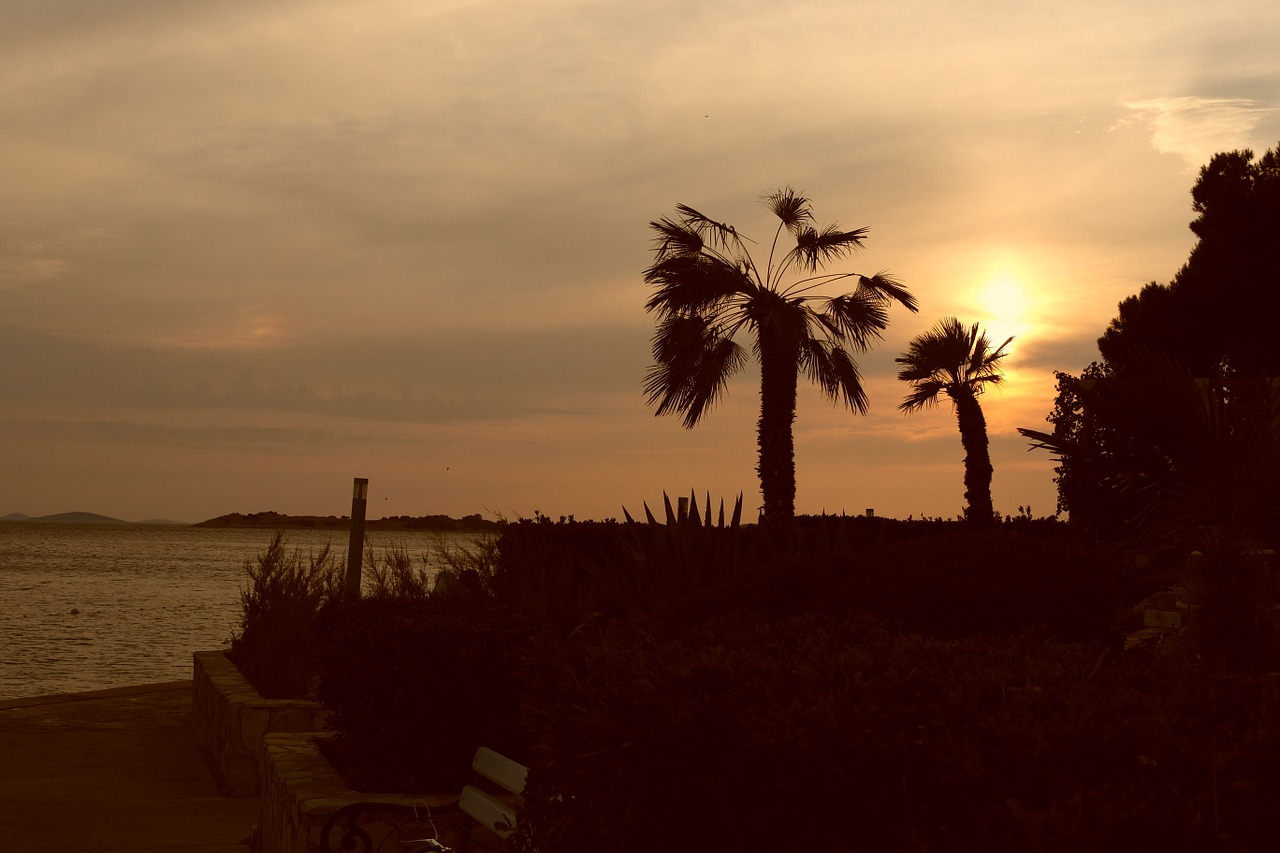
[(416, 684), (960, 583), (395, 573), (541, 567), (275, 647), (825, 732)]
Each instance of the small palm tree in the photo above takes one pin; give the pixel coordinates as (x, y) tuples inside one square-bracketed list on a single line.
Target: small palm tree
[(959, 362), (709, 289)]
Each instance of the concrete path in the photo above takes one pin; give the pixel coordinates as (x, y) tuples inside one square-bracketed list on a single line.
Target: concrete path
[(109, 772)]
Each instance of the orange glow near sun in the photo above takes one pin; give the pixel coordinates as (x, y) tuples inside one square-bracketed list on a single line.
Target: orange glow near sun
[(1004, 300)]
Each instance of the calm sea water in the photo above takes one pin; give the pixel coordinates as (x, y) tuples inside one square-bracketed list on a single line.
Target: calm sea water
[(85, 607)]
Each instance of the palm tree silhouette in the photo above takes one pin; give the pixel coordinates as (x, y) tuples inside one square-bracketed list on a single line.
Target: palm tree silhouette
[(709, 288), (959, 362)]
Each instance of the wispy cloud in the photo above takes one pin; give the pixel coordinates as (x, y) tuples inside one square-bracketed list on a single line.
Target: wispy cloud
[(1196, 128), (257, 439)]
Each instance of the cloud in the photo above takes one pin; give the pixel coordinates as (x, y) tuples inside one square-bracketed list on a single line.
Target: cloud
[(1196, 128), (254, 439), (447, 377)]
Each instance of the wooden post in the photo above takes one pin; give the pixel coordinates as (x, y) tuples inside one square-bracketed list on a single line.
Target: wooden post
[(355, 548)]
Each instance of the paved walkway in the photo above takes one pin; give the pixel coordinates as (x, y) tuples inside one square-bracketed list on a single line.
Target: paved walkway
[(112, 771)]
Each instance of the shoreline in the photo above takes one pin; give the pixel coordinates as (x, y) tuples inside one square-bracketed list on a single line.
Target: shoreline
[(87, 695)]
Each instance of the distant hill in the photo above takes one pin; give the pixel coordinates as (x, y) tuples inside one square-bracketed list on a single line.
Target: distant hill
[(275, 520), (65, 518), (84, 518)]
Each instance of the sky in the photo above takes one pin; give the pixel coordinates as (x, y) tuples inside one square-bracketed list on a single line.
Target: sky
[(252, 249)]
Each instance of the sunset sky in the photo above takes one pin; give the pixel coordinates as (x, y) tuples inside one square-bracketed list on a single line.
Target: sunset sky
[(250, 249)]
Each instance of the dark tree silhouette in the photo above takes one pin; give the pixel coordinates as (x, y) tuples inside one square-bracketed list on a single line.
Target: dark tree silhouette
[(709, 289), (959, 362), (1216, 319), (1193, 462), (1219, 312), (1199, 458)]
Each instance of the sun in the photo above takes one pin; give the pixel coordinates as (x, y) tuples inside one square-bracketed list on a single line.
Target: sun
[(1004, 304), (1004, 300)]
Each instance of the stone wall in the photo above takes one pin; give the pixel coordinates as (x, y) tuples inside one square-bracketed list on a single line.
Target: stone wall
[(300, 790), (230, 718)]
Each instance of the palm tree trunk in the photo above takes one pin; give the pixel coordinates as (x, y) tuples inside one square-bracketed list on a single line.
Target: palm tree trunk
[(777, 466), (977, 461)]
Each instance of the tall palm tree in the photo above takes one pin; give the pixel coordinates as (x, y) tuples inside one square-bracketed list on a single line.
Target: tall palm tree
[(708, 289), (959, 362)]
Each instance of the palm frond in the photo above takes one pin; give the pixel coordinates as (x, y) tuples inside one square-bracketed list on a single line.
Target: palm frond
[(887, 288), (833, 370), (693, 283), (790, 206), (674, 238), (951, 358), (854, 318), (693, 363), (815, 249), (721, 234), (923, 395)]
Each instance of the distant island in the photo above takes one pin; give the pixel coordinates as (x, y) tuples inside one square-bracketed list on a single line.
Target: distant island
[(275, 520), (65, 518), (81, 518)]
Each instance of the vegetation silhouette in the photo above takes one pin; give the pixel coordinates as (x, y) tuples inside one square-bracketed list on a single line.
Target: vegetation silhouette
[(708, 289), (1218, 314), (1216, 319), (959, 362), (1195, 463)]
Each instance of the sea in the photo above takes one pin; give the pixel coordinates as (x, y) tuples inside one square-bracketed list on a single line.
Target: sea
[(94, 606)]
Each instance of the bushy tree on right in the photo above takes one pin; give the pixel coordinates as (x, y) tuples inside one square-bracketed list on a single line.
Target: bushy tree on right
[(1219, 313), (1175, 434), (1217, 319)]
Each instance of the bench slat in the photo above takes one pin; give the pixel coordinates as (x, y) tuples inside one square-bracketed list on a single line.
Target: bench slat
[(493, 814), (499, 769)]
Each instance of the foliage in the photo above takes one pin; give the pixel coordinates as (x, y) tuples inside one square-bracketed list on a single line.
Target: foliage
[(539, 568), (1218, 312), (708, 288), (574, 571), (661, 561), (1080, 491), (1200, 467), (395, 573), (416, 684), (1203, 460), (276, 648), (962, 582), (1214, 318), (950, 359), (759, 730)]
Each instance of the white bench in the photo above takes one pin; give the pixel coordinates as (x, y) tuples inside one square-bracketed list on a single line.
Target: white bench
[(492, 812), (498, 817)]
